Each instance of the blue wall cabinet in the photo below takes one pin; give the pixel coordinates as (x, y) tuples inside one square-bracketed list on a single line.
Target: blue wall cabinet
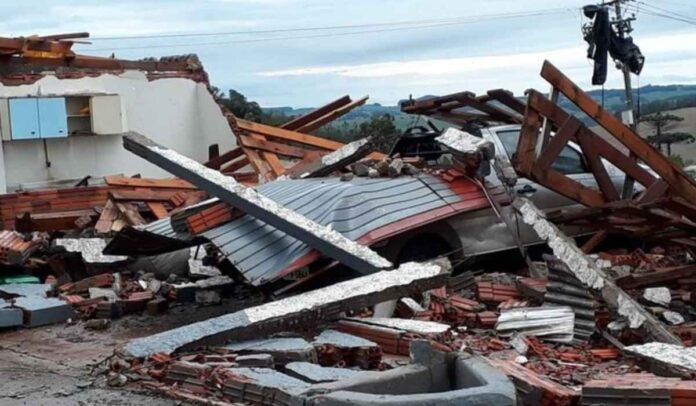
[(24, 119), (53, 119), (32, 118)]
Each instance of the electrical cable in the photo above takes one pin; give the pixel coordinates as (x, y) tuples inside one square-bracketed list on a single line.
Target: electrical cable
[(334, 34), (334, 27)]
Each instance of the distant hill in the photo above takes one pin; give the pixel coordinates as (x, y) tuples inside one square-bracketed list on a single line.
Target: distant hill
[(652, 98)]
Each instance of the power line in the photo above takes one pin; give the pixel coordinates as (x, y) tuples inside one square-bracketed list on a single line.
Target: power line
[(271, 39), (418, 25), (664, 13), (331, 27)]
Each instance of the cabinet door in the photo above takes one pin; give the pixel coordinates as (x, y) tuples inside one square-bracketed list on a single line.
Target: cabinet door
[(24, 119), (53, 118), (106, 114)]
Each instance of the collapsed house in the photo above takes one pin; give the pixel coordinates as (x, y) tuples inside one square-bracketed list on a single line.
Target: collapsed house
[(64, 112), (357, 259)]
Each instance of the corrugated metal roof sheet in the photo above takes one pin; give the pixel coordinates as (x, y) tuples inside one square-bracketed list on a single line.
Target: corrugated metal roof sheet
[(355, 208), (351, 208)]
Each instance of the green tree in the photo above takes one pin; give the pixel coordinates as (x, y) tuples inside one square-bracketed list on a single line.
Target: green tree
[(670, 138), (382, 130), (238, 104), (661, 122)]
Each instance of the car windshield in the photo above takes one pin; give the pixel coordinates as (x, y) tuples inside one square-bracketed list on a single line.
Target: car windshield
[(569, 161)]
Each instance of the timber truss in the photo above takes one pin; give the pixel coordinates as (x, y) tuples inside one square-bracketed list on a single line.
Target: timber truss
[(665, 207)]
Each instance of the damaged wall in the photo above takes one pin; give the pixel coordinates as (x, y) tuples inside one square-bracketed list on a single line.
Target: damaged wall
[(177, 112)]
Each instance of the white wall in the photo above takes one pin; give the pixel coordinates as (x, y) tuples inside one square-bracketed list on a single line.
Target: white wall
[(178, 113)]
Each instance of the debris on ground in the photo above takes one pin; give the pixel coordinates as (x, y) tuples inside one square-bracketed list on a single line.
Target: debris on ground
[(305, 228)]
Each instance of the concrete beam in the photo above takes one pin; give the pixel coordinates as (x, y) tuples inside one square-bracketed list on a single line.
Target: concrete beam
[(324, 239), (304, 309), (592, 275)]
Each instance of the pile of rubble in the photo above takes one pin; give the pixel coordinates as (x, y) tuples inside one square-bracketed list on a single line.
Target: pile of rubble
[(581, 326)]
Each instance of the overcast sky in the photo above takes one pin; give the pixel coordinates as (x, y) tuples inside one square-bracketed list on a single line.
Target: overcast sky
[(448, 46)]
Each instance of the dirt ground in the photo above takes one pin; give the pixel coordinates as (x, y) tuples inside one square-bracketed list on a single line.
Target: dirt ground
[(52, 365)]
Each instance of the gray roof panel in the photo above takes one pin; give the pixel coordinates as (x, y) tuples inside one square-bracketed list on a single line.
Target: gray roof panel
[(355, 208)]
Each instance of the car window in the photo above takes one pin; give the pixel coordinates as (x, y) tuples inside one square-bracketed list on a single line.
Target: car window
[(569, 161)]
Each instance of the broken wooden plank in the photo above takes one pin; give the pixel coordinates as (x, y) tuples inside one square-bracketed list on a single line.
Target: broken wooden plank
[(130, 213), (236, 165), (171, 183), (109, 214), (228, 156), (304, 309), (324, 239), (331, 116), (660, 277), (59, 220), (270, 158), (591, 275), (157, 209), (270, 146), (508, 99), (313, 115), (141, 195)]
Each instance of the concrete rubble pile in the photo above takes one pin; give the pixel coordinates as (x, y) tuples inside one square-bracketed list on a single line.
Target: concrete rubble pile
[(321, 313)]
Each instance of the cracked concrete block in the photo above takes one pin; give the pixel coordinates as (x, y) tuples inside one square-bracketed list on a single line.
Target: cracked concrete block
[(659, 296)]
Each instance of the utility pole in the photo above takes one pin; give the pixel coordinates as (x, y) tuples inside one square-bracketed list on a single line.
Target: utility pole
[(623, 28)]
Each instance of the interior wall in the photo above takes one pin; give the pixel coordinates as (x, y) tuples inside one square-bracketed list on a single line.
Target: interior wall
[(176, 112)]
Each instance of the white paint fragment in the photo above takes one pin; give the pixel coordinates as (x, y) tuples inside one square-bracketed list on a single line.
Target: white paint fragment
[(684, 357), (90, 249), (673, 318), (521, 359), (412, 304), (230, 184), (343, 152), (659, 296)]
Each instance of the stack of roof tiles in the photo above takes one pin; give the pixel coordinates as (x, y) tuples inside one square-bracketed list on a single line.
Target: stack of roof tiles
[(496, 292), (15, 249), (534, 389)]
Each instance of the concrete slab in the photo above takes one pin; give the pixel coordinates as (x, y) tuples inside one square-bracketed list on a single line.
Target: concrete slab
[(24, 289), (40, 311), (339, 339), (283, 349), (314, 373), (303, 309)]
